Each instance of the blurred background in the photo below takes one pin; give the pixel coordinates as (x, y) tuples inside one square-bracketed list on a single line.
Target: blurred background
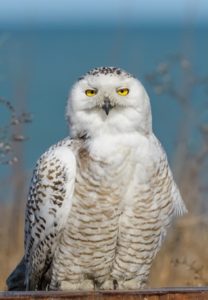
[(45, 45)]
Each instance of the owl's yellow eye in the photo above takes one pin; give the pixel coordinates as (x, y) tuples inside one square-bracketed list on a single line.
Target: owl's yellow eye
[(90, 92), (123, 91)]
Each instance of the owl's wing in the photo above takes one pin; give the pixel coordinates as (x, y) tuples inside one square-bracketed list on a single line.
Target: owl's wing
[(165, 191), (165, 183), (49, 203)]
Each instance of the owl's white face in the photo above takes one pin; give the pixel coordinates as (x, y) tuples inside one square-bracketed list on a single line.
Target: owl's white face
[(108, 100)]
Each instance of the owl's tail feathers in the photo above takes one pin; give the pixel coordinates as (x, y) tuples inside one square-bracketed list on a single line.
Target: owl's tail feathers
[(16, 280)]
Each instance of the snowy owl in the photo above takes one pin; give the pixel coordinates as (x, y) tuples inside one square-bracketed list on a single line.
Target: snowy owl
[(101, 201)]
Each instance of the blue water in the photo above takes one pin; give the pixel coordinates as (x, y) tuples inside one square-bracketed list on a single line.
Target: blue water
[(37, 68)]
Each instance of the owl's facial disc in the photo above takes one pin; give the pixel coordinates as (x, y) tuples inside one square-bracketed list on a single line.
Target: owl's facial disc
[(106, 97), (108, 101)]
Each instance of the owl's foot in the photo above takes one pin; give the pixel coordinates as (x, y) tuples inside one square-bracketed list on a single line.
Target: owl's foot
[(83, 285), (109, 284), (130, 284)]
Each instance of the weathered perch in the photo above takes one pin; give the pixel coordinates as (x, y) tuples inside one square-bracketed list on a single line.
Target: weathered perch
[(150, 294)]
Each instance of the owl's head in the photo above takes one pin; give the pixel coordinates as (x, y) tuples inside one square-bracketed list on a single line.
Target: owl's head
[(108, 100)]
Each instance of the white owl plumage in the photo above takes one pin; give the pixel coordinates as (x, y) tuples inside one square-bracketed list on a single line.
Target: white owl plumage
[(100, 202)]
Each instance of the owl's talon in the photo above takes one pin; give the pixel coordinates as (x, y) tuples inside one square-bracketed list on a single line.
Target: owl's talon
[(131, 284), (109, 284)]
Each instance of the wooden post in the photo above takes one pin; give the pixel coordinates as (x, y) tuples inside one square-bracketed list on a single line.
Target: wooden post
[(149, 294)]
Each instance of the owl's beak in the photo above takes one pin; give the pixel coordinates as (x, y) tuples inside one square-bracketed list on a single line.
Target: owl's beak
[(107, 106)]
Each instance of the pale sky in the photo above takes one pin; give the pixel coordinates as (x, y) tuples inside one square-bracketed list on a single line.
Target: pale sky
[(85, 11)]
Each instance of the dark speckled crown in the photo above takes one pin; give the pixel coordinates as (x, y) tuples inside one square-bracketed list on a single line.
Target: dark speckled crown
[(107, 71)]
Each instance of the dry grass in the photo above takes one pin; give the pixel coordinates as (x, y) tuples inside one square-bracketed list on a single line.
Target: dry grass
[(11, 237), (182, 259), (12, 213)]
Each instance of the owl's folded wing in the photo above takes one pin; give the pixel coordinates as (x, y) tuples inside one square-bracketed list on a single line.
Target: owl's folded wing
[(165, 192), (49, 203), (165, 187)]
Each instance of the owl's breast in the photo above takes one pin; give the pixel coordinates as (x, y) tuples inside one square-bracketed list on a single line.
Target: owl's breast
[(104, 179), (89, 239)]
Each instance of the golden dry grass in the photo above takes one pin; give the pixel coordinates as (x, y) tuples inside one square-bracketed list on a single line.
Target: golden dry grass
[(182, 259), (11, 237)]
